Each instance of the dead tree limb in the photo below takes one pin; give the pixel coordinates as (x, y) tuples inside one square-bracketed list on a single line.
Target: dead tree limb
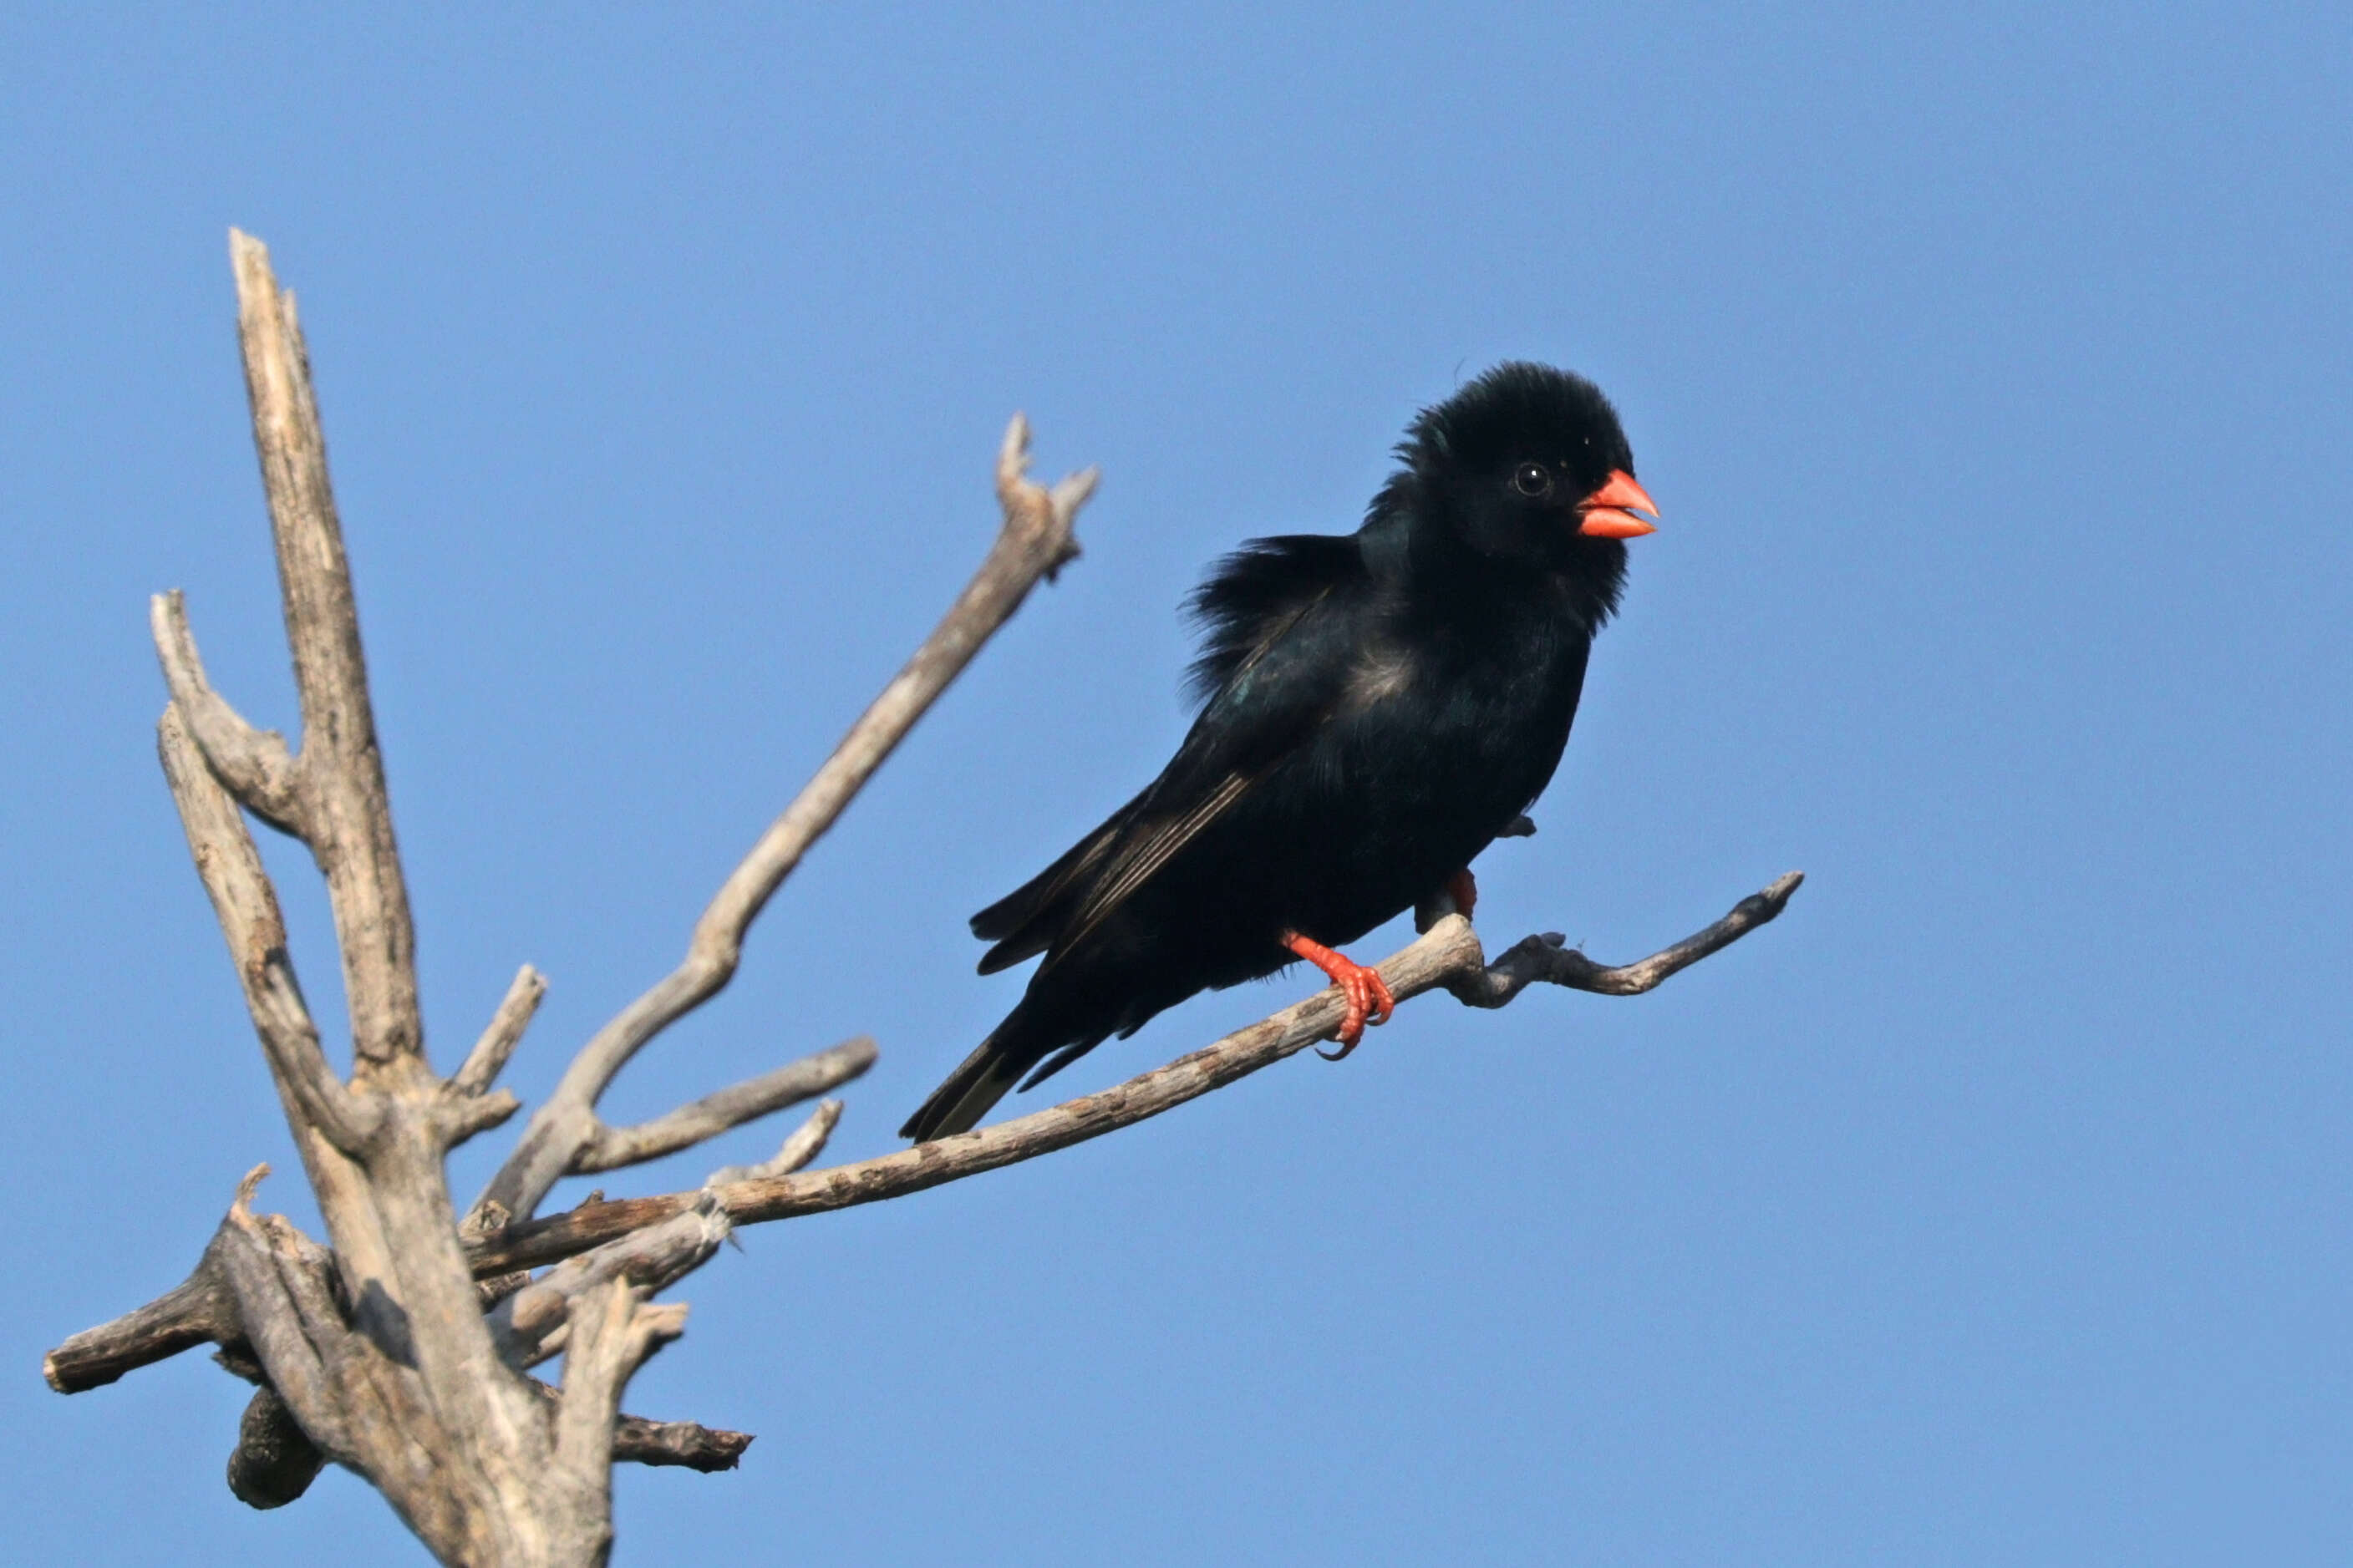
[(502, 1035), (402, 1350), (1035, 542), (1446, 957), (610, 1148), (376, 1352), (801, 1145)]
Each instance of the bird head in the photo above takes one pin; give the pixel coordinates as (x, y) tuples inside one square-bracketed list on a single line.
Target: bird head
[(1527, 465)]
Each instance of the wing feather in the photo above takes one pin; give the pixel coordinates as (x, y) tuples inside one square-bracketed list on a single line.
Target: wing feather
[(1266, 679), (1146, 854), (1019, 923)]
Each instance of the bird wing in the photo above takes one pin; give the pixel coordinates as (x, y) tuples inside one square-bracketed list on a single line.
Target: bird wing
[(1011, 920), (1273, 663)]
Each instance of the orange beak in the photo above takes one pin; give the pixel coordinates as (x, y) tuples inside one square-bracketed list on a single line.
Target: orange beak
[(1608, 513)]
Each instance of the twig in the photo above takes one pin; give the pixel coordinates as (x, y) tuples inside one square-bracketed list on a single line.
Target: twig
[(502, 1035), (1448, 957), (685, 1445), (1545, 958), (1034, 541), (610, 1148), (804, 1143), (255, 765)]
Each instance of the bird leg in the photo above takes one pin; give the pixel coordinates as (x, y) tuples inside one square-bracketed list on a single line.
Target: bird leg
[(1463, 889), (1369, 1001)]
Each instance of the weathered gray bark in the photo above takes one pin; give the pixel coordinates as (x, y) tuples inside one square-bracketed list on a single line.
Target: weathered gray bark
[(402, 1351)]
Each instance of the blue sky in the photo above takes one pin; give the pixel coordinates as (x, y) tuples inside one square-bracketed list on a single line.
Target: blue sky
[(1991, 368)]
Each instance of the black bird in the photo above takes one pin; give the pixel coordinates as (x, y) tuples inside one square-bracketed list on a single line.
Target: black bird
[(1374, 709)]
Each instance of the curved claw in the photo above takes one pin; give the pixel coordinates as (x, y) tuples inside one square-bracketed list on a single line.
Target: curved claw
[(1367, 993)]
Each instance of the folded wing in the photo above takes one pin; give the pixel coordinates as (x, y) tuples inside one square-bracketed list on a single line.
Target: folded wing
[(1273, 663)]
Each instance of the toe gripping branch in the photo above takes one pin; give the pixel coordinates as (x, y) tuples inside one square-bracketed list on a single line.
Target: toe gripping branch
[(1369, 1001)]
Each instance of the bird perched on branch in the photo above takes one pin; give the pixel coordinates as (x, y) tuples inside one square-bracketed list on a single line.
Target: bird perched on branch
[(1374, 709)]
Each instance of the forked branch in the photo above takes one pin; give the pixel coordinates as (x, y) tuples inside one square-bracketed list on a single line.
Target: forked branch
[(1034, 543), (1549, 959), (801, 1145), (230, 867), (1446, 957), (374, 1353), (254, 764), (610, 1148), (346, 812)]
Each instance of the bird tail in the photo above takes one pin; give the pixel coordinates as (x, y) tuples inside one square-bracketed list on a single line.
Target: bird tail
[(1026, 1037)]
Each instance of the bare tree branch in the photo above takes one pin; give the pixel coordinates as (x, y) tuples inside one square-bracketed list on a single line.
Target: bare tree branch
[(614, 1330), (1545, 958), (275, 1461), (462, 1116), (683, 1444), (1446, 957), (433, 1383), (680, 1443), (254, 763), (288, 1315), (528, 1326), (348, 815), (198, 1311), (232, 873), (804, 1143), (378, 1355), (1034, 543), (378, 1352), (610, 1148), (503, 1034)]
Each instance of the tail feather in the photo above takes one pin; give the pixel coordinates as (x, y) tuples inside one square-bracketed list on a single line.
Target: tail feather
[(1028, 1035), (1058, 1061), (982, 1079)]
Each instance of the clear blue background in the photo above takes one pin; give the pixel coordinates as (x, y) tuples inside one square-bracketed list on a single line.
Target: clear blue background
[(1991, 366)]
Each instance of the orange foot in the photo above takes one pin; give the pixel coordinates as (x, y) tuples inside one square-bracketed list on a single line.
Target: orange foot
[(1369, 1001), (1463, 889)]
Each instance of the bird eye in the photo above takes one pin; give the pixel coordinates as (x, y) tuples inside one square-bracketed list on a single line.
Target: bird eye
[(1532, 479)]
